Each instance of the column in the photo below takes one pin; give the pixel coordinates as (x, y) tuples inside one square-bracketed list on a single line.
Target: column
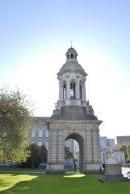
[(89, 148), (96, 146), (68, 89), (60, 147), (60, 91), (55, 152), (52, 147), (84, 91), (92, 156), (77, 90)]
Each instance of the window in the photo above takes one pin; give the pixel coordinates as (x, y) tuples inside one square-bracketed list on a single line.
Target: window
[(40, 133), (33, 133), (47, 134)]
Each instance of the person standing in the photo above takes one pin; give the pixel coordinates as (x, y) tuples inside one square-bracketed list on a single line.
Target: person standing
[(75, 165)]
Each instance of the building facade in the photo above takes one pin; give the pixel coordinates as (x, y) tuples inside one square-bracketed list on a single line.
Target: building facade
[(123, 140), (39, 132), (107, 142)]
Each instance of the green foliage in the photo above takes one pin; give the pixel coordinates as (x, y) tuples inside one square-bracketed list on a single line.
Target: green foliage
[(68, 153), (124, 149), (43, 151), (128, 151), (38, 154), (15, 122)]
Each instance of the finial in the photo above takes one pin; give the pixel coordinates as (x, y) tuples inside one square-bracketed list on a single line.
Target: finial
[(71, 43)]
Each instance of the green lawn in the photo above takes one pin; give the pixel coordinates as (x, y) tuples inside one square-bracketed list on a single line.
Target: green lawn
[(58, 184)]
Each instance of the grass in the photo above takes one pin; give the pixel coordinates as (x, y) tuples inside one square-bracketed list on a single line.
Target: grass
[(58, 184)]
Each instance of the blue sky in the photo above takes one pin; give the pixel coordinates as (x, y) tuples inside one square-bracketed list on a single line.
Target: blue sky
[(34, 36)]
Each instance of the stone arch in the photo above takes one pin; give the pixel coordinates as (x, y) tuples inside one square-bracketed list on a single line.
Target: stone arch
[(71, 56), (79, 138), (72, 89)]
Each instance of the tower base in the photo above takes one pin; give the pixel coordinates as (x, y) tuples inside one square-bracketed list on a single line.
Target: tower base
[(55, 169), (92, 168)]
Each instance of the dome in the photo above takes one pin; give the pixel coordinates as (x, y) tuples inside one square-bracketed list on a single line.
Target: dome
[(71, 64)]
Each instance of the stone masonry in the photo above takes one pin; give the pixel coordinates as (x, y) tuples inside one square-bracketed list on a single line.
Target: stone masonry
[(73, 118)]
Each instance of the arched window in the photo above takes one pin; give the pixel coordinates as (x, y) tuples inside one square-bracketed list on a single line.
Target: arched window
[(80, 90), (64, 90), (72, 90), (71, 56)]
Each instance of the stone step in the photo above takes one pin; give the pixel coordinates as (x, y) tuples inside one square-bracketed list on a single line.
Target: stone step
[(73, 113)]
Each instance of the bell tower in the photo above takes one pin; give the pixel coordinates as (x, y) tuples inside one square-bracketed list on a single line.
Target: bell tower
[(72, 79), (74, 118), (72, 85)]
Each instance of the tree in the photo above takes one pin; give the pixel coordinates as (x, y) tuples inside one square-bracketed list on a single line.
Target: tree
[(68, 153), (38, 154), (15, 122), (124, 149), (34, 159), (128, 152), (43, 151)]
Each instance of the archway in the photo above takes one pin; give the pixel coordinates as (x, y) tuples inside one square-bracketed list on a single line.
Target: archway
[(78, 149), (82, 132)]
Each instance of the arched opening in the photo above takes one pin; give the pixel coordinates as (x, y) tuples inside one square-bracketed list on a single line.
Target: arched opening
[(64, 90), (72, 90), (74, 152)]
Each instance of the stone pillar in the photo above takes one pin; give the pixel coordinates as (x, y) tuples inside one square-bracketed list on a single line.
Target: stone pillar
[(96, 146), (55, 152), (92, 155), (84, 91), (60, 147), (68, 89), (77, 90), (60, 91), (88, 149)]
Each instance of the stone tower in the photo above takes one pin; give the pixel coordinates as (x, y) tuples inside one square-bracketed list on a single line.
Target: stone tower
[(73, 118)]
